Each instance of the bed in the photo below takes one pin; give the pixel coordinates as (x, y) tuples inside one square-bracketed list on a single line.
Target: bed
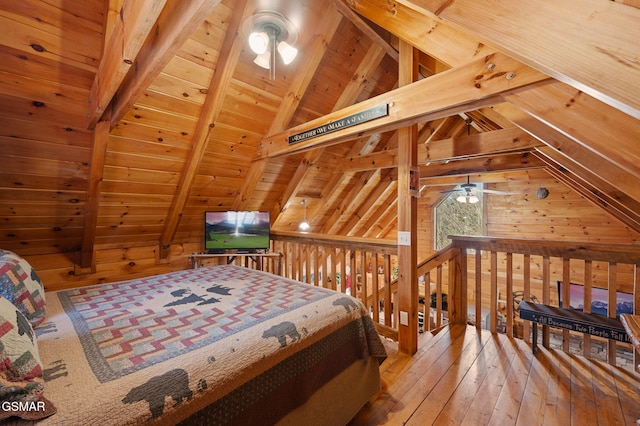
[(215, 345)]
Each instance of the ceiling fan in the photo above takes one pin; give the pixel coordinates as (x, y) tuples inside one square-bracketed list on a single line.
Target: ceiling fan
[(468, 192)]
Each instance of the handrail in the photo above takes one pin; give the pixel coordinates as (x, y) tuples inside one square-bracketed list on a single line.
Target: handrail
[(621, 253), (510, 266), (533, 267), (384, 246), (362, 266)]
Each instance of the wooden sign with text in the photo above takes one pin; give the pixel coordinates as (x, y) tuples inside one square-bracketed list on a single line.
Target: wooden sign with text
[(343, 123)]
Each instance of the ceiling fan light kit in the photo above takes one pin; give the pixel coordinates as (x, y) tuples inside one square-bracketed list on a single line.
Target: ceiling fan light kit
[(271, 32), (469, 192), (471, 199)]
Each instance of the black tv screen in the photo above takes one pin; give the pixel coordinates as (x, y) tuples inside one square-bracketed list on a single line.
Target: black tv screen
[(236, 230)]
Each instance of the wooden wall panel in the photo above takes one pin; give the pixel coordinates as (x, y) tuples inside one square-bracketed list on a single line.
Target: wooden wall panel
[(563, 215)]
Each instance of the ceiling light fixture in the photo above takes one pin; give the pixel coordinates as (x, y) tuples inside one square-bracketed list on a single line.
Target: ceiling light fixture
[(270, 32), (471, 199), (304, 225)]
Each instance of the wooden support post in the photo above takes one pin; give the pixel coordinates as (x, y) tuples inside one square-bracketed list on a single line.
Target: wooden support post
[(407, 216), (98, 155)]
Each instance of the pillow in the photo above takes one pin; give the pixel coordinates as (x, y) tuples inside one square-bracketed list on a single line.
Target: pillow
[(20, 284), (21, 380)]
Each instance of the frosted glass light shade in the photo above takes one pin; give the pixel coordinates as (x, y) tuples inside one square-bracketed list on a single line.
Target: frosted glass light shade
[(259, 42), (263, 60), (287, 52), (467, 199)]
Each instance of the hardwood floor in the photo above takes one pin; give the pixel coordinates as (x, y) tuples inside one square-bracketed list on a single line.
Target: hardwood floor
[(462, 377)]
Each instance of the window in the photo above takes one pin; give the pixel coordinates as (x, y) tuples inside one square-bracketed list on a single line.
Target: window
[(455, 218)]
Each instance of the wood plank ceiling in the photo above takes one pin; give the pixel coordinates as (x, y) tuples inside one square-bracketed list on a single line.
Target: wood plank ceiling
[(130, 146)]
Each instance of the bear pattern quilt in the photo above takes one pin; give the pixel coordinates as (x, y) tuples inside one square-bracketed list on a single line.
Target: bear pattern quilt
[(214, 345)]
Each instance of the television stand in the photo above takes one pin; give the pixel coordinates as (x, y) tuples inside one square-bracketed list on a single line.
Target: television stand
[(257, 259)]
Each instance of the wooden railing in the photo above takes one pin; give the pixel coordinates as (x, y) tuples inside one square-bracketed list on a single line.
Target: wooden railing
[(504, 271), (478, 280), (360, 266)]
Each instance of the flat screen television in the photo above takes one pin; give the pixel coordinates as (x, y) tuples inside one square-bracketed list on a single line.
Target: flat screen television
[(239, 231)]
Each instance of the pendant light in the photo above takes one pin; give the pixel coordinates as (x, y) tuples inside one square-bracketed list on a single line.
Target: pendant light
[(304, 225)]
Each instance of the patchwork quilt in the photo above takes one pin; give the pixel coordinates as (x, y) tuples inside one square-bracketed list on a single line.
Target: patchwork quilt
[(216, 345)]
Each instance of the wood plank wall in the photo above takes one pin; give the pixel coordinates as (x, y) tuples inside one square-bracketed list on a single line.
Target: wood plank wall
[(564, 215)]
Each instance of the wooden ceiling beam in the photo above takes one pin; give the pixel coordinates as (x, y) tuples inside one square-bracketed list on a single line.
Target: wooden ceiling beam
[(133, 25), (484, 177), (313, 55), (422, 29), (94, 186), (352, 90), (366, 29), (341, 209), (369, 200), (595, 125), (379, 222), (477, 145), (481, 165), (330, 224), (593, 48), (227, 61), (501, 141), (176, 23), (607, 171), (477, 84), (592, 188)]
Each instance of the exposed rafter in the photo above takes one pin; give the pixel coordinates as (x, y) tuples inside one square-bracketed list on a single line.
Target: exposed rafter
[(231, 49)]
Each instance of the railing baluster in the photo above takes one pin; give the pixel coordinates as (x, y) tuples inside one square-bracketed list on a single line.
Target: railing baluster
[(526, 277), (566, 298), (612, 307), (387, 290), (493, 307), (588, 282), (478, 289), (509, 294), (343, 274), (364, 281), (636, 308), (546, 297), (375, 287), (439, 296)]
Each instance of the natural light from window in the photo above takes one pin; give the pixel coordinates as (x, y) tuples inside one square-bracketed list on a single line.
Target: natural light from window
[(456, 218)]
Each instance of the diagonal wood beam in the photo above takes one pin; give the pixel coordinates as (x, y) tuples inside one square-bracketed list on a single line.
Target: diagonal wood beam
[(477, 145), (227, 61), (591, 123), (594, 176), (477, 84), (98, 155), (591, 187), (593, 48), (370, 199), (422, 29), (384, 216), (176, 23), (313, 56), (366, 29), (133, 24), (580, 153), (482, 165), (352, 90)]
